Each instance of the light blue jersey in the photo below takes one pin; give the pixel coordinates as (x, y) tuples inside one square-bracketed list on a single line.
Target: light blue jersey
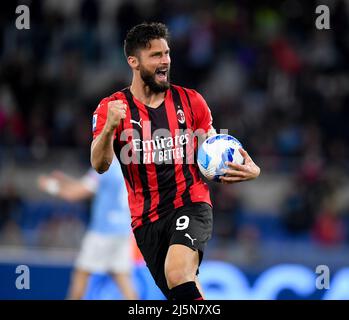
[(110, 212)]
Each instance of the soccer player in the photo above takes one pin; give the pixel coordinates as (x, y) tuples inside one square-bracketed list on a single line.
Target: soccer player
[(148, 126), (106, 247)]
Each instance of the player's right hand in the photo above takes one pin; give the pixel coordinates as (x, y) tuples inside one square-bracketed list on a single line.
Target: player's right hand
[(116, 112)]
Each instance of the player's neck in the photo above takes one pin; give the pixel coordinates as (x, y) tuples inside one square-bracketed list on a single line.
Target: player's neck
[(143, 94)]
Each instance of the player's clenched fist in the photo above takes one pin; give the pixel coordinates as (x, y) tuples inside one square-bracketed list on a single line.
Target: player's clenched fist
[(116, 112)]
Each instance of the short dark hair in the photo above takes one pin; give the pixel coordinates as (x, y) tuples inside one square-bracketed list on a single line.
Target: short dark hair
[(139, 36)]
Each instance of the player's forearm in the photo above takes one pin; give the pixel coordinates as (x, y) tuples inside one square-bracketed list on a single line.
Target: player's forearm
[(68, 189), (74, 192), (102, 150)]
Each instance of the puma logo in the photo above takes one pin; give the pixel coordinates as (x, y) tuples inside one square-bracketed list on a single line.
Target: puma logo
[(191, 239), (137, 122)]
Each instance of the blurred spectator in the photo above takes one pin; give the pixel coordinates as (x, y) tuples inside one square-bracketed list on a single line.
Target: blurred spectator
[(302, 204), (276, 82), (10, 216), (329, 228), (227, 210), (127, 15)]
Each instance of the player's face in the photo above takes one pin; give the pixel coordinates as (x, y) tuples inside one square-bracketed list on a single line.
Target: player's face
[(154, 65)]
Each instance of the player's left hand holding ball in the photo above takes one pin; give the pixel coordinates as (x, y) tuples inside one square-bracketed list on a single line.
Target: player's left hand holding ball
[(240, 172)]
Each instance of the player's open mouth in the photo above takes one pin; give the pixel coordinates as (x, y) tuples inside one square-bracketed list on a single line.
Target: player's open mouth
[(161, 74)]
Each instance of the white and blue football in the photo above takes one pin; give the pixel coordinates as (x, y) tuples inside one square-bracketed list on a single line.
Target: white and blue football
[(215, 151)]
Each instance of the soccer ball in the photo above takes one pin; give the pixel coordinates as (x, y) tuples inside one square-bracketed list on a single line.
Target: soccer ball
[(215, 151)]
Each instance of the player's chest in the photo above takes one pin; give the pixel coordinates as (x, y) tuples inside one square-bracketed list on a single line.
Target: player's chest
[(166, 120)]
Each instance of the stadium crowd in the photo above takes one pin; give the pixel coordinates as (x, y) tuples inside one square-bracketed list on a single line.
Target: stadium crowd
[(278, 84)]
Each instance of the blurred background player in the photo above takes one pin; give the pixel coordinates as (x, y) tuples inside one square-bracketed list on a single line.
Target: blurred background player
[(107, 246)]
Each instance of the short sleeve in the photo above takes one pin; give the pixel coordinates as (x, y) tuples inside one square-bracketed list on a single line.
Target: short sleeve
[(201, 111), (100, 117)]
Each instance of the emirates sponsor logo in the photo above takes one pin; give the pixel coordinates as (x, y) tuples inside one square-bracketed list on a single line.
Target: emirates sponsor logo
[(160, 143), (160, 146), (161, 149)]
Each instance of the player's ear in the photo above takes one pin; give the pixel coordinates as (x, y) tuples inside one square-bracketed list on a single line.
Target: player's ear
[(133, 62)]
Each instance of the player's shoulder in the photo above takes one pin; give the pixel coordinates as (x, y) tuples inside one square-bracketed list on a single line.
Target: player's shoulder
[(192, 93), (187, 90), (118, 95)]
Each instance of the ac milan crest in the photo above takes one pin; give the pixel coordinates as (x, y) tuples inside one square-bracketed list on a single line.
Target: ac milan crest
[(180, 116)]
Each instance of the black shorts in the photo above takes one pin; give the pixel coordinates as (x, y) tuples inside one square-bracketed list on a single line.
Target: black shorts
[(188, 225)]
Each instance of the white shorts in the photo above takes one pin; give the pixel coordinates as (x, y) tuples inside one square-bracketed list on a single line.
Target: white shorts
[(105, 253)]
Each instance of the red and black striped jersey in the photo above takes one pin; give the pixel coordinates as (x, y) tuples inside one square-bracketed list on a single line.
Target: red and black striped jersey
[(156, 148)]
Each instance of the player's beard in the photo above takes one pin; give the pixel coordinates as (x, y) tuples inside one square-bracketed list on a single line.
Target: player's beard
[(149, 80)]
